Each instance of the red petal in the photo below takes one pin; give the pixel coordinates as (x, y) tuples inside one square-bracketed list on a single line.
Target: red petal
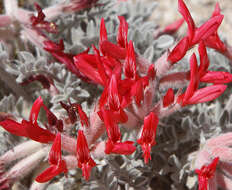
[(85, 162), (217, 77), (205, 173), (217, 10), (207, 29), (103, 32), (51, 172), (194, 79), (83, 116), (87, 64), (148, 134), (124, 148), (215, 42), (114, 98), (122, 32), (14, 127), (168, 98), (113, 50), (82, 148), (151, 72), (204, 60), (207, 94), (179, 51), (51, 46), (55, 152), (130, 62), (37, 133), (137, 91), (112, 128), (35, 109), (100, 67), (188, 18), (52, 119), (40, 17)]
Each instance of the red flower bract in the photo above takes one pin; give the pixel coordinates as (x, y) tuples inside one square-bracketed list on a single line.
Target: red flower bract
[(148, 134), (85, 162)]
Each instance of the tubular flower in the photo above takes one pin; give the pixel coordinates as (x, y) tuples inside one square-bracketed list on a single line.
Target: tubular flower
[(122, 32), (130, 62), (39, 22), (29, 129), (205, 173), (85, 162), (148, 134), (57, 164), (168, 98), (114, 144)]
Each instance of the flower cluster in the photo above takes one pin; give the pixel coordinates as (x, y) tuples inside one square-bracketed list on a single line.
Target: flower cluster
[(130, 85)]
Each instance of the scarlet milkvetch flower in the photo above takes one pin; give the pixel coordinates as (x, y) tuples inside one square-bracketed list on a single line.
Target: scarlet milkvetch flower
[(195, 34), (46, 82), (113, 98), (205, 173), (30, 129), (98, 69), (168, 98), (57, 51), (74, 108), (54, 123), (122, 32), (108, 48), (179, 51), (55, 159), (194, 78), (129, 66), (204, 31), (193, 95), (147, 135), (85, 162), (215, 77), (214, 41), (114, 144), (40, 23)]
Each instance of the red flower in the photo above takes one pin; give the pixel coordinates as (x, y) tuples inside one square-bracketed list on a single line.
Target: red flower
[(168, 98), (114, 144), (179, 51), (204, 60), (85, 162), (29, 129), (57, 51), (129, 66), (122, 32), (194, 79), (206, 94), (108, 48), (39, 22), (205, 173), (57, 164), (148, 134), (207, 29), (188, 18), (72, 109)]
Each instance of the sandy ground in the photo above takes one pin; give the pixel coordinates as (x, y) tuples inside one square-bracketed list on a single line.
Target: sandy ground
[(201, 10)]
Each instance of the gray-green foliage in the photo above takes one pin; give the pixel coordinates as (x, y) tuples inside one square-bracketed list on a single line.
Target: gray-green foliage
[(177, 135)]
